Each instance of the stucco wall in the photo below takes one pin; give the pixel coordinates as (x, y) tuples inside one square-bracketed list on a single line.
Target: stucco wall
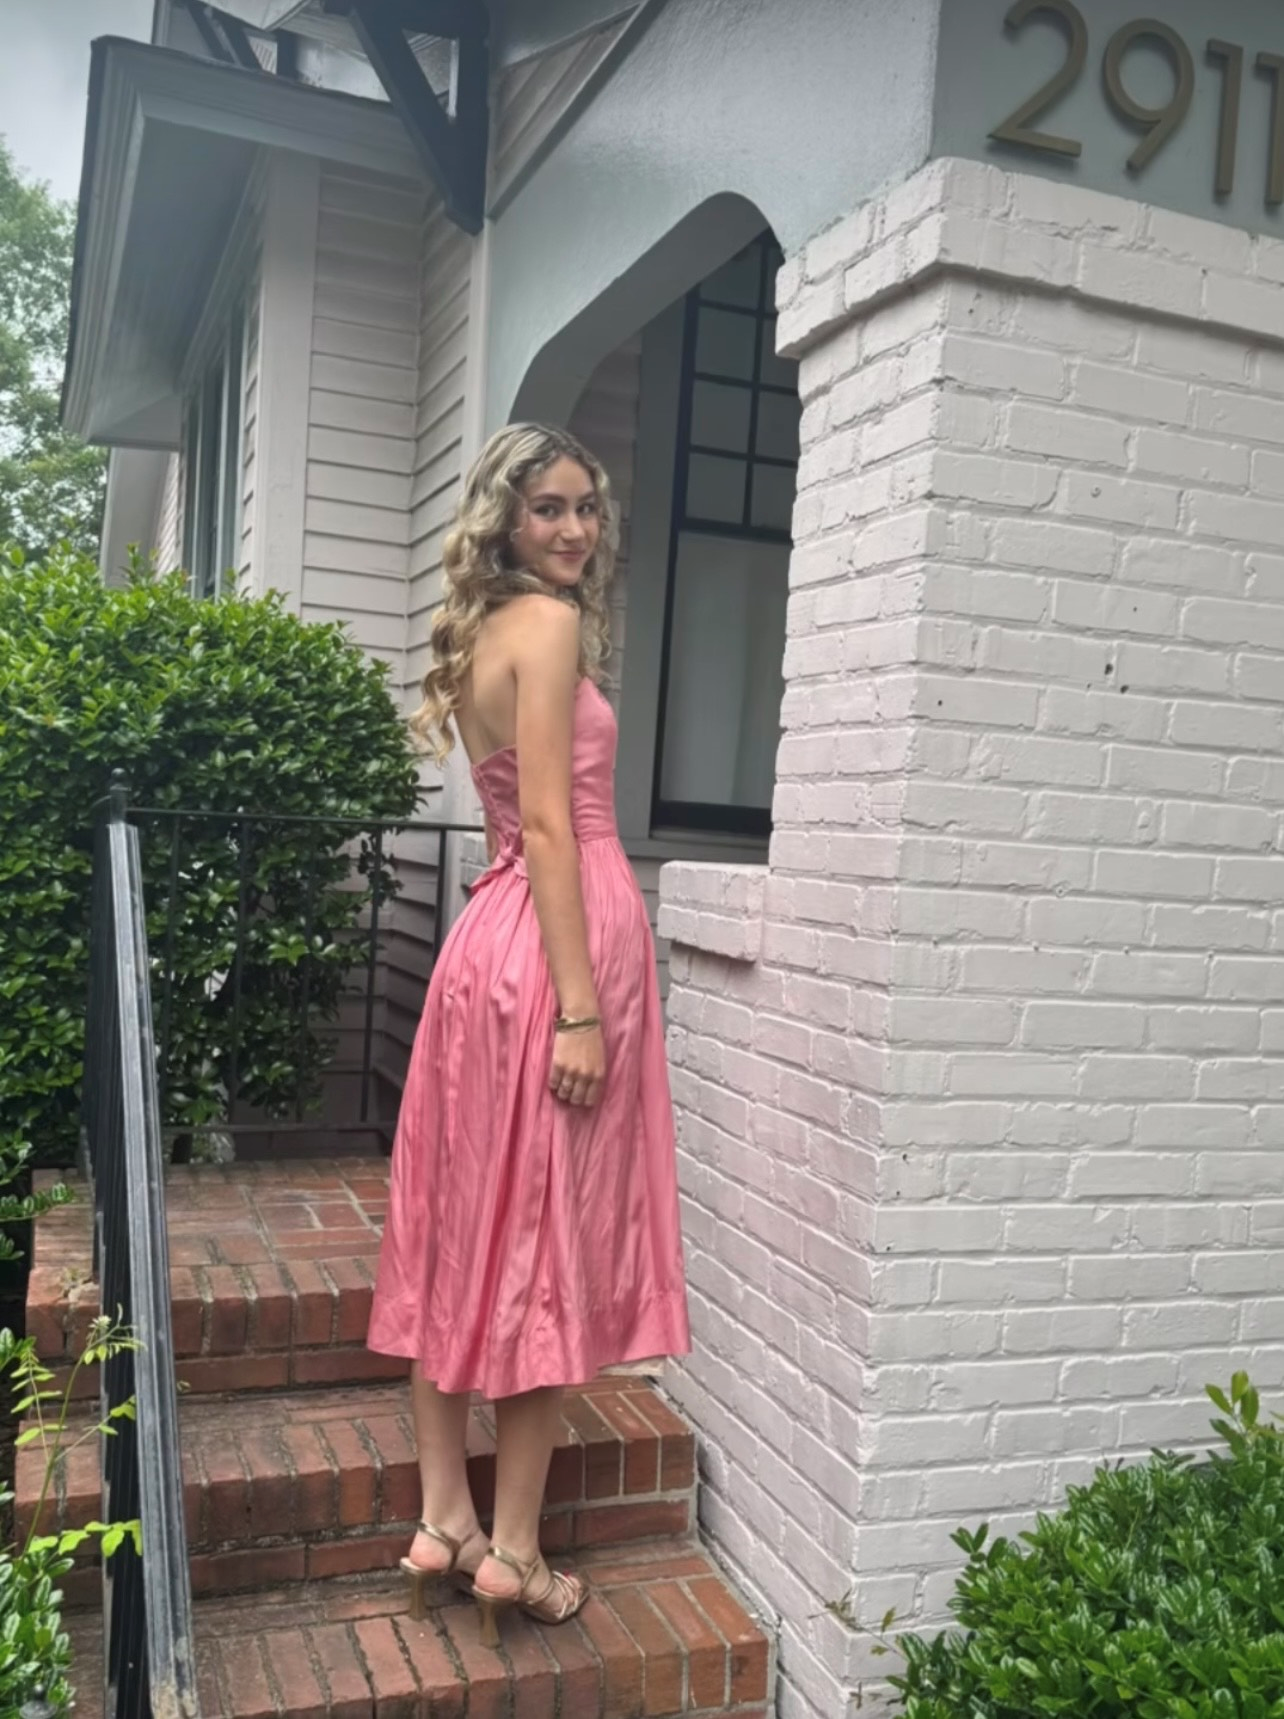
[(981, 1084), (715, 98), (985, 71)]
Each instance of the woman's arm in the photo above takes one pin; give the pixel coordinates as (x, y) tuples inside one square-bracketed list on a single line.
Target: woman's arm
[(546, 669)]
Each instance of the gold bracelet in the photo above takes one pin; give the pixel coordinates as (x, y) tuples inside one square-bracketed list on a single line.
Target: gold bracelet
[(586, 1024)]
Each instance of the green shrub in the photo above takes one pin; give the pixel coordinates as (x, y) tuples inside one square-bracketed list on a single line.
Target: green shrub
[(1157, 1593), (220, 706), (34, 1648)]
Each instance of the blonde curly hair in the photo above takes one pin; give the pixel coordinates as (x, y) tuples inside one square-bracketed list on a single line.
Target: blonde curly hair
[(481, 574)]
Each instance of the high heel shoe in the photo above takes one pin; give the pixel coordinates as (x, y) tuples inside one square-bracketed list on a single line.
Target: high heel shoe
[(431, 1588), (560, 1600)]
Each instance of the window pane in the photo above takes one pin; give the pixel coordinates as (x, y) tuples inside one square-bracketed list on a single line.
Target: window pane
[(774, 488), (715, 488), (779, 416), (720, 416), (738, 281), (779, 372), (726, 679), (725, 343)]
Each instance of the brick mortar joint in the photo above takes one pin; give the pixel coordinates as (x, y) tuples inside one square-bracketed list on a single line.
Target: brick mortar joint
[(714, 908), (968, 224)]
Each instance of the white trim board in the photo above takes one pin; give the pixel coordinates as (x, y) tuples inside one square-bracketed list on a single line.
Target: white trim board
[(134, 87), (289, 269)]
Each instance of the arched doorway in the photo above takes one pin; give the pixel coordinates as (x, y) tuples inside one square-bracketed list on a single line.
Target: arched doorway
[(697, 421)]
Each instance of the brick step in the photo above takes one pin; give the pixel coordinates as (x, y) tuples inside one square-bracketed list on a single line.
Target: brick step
[(662, 1634), (313, 1484), (272, 1267)]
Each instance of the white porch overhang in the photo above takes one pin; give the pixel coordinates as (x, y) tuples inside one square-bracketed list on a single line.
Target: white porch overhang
[(170, 143)]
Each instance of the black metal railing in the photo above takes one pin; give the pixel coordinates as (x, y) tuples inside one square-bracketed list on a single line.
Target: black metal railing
[(270, 945), (148, 1660)]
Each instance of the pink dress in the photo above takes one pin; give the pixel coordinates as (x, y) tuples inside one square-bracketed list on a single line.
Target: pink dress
[(528, 1242)]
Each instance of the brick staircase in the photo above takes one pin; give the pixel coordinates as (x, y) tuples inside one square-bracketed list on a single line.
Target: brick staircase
[(301, 1491)]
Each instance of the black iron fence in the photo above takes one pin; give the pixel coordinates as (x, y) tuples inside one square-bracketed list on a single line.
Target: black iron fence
[(283, 991), (255, 934), (147, 1620)]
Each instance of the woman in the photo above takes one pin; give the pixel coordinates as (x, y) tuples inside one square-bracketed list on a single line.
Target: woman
[(532, 1233)]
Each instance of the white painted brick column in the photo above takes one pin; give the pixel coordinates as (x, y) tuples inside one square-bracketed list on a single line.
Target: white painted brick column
[(981, 1081)]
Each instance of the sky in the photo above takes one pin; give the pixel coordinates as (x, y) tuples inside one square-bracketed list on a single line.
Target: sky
[(44, 78)]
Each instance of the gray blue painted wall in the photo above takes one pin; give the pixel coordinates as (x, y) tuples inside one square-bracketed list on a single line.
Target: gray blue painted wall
[(796, 112), (986, 71), (803, 110)]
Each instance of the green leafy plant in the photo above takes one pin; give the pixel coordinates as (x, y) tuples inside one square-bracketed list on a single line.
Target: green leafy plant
[(1157, 1593), (20, 1209), (51, 484), (221, 706), (34, 1648)]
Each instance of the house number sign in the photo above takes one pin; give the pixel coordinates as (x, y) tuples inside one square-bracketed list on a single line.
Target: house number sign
[(1158, 124)]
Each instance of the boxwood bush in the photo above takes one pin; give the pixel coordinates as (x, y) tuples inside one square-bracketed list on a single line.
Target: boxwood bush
[(1157, 1593), (218, 706)]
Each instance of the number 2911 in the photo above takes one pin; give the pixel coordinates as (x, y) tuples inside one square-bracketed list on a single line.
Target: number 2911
[(1158, 123)]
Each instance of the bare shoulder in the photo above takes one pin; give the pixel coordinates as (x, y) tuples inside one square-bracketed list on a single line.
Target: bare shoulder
[(535, 625)]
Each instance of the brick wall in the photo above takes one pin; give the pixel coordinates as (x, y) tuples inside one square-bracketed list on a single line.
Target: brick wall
[(982, 1118)]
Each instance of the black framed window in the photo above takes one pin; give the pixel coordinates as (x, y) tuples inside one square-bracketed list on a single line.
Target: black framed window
[(212, 454), (735, 477)]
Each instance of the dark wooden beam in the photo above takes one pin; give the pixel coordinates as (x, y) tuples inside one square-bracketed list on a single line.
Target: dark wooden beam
[(202, 18), (454, 150), (287, 55), (238, 41)]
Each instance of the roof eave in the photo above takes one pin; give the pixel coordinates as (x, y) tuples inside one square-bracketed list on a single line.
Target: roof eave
[(132, 84)]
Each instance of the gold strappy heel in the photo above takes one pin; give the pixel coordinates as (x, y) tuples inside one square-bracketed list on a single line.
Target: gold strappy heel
[(432, 1588), (560, 1601)]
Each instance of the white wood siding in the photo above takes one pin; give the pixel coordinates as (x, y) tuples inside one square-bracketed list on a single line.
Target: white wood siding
[(250, 420), (168, 534), (437, 470), (361, 409)]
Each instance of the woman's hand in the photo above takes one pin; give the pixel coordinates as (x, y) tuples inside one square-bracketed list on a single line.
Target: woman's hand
[(578, 1073)]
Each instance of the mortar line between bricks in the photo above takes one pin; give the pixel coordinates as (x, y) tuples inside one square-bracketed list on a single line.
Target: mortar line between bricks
[(287, 1462), (319, 1671), (510, 1693), (770, 1624), (551, 1658), (206, 1294), (191, 1448), (728, 1648), (452, 1653), (213, 1656), (640, 1408), (336, 1472), (640, 1590), (287, 1278), (333, 1287), (247, 1480), (269, 1673), (577, 1624), (406, 1425), (376, 1456), (355, 1640), (245, 1278)]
